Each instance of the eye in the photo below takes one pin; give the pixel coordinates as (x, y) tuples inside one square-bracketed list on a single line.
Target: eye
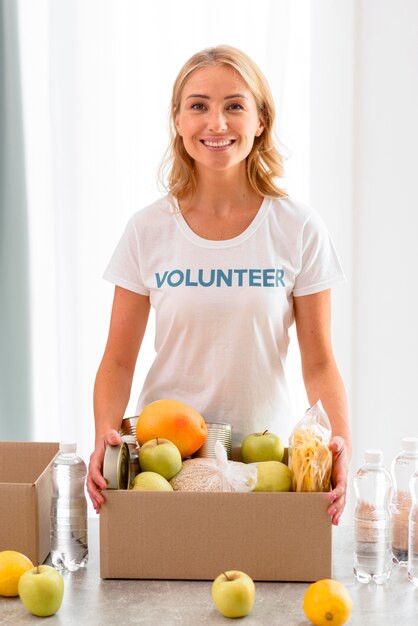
[(198, 106), (236, 106)]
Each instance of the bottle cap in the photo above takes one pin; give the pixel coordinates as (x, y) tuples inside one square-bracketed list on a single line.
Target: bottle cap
[(68, 447), (373, 456), (410, 444)]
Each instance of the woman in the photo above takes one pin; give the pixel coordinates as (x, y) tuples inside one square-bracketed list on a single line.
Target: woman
[(227, 261)]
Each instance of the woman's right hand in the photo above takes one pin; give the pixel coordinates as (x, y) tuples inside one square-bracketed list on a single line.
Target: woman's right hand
[(95, 480)]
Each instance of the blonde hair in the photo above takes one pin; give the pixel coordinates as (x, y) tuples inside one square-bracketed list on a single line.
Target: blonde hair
[(264, 163)]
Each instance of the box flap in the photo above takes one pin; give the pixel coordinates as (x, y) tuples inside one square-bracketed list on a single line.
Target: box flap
[(23, 462)]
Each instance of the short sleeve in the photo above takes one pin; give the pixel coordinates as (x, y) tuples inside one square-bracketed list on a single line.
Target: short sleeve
[(320, 267), (124, 266)]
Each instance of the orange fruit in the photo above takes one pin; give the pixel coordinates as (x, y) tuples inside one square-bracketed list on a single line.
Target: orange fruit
[(173, 420), (327, 603), (12, 565)]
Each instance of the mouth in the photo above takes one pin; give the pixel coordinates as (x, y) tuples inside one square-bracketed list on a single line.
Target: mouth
[(218, 145)]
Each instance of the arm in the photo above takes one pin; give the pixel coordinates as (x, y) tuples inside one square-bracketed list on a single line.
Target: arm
[(323, 381), (114, 379)]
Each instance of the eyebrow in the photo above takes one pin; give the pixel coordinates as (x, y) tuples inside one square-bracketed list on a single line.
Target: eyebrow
[(200, 95)]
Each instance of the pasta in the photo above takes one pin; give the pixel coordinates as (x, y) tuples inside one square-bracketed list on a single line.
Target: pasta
[(311, 458)]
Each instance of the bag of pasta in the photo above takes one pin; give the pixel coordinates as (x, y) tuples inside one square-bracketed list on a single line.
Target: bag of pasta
[(310, 457)]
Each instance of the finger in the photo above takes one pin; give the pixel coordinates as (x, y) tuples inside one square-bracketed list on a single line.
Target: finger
[(338, 494), (95, 472), (113, 437), (97, 503), (96, 499), (95, 494), (337, 445), (335, 512), (93, 488)]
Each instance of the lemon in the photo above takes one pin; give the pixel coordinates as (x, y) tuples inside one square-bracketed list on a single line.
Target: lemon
[(327, 603), (12, 565)]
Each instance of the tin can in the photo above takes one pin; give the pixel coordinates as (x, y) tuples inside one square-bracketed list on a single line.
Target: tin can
[(134, 467), (216, 432), (116, 466), (128, 426), (128, 435)]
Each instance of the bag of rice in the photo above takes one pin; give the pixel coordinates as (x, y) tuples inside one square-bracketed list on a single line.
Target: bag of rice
[(217, 474)]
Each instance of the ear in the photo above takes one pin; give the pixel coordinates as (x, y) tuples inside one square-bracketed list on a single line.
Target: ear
[(176, 122), (261, 126)]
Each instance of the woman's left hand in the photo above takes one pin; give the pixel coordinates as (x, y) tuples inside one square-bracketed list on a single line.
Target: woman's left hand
[(339, 477)]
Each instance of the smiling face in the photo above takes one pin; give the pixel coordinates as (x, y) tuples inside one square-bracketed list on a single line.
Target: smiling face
[(218, 118)]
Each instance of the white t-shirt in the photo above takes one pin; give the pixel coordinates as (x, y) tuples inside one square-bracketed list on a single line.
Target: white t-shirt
[(223, 308)]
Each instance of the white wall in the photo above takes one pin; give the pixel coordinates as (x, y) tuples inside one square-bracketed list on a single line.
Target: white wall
[(385, 206), (364, 133), (331, 173)]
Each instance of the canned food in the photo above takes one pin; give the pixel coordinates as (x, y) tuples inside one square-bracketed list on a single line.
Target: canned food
[(116, 466), (216, 432), (131, 442), (128, 426)]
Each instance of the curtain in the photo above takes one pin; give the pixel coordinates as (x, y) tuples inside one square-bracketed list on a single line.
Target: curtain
[(15, 344)]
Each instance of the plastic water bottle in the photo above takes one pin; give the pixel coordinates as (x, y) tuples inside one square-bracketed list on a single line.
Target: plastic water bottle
[(372, 522), (413, 531), (403, 466), (69, 548)]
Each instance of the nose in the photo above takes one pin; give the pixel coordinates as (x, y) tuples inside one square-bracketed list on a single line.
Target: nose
[(217, 121)]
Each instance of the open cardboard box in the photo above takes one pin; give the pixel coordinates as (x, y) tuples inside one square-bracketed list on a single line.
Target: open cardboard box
[(25, 496), (185, 535)]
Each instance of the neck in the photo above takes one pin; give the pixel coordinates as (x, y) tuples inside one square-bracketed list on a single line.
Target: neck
[(219, 191)]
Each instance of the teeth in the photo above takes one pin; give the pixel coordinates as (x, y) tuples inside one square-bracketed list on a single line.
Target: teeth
[(218, 144)]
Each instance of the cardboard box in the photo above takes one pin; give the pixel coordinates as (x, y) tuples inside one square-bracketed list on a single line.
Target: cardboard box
[(25, 496), (185, 535)]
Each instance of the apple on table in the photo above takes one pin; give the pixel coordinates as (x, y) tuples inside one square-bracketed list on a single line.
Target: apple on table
[(233, 593), (41, 590), (263, 446)]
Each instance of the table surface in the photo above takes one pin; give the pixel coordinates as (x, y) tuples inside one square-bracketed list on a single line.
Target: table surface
[(90, 601)]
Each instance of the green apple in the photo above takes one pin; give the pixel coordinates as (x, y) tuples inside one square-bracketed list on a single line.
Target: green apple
[(262, 447), (161, 456), (273, 476), (150, 481), (233, 593), (41, 590)]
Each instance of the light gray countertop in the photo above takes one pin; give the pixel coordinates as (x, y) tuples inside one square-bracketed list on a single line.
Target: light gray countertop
[(90, 601)]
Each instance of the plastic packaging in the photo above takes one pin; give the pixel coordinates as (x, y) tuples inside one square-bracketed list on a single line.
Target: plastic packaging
[(310, 455), (69, 547), (413, 531), (219, 474), (403, 466), (372, 521)]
